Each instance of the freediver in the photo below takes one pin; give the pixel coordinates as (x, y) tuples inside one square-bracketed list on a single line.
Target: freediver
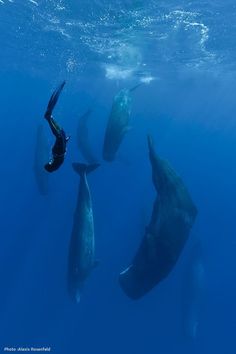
[(59, 148)]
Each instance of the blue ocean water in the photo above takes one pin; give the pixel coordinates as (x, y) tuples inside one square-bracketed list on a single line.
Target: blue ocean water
[(184, 55)]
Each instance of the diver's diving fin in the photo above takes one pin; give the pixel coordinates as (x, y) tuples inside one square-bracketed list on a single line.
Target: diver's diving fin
[(53, 100)]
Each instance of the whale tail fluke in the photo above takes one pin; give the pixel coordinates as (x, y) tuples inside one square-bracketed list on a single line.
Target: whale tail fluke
[(82, 168)]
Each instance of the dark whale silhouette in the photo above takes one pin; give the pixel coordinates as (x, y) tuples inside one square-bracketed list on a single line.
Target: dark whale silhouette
[(82, 244), (172, 217), (118, 123)]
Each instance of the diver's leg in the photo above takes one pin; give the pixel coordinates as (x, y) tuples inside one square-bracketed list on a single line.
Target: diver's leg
[(53, 100), (55, 128)]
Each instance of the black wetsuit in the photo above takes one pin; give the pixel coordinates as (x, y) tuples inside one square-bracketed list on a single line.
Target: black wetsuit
[(59, 148)]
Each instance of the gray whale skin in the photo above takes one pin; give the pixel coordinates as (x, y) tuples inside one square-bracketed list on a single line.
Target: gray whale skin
[(172, 218)]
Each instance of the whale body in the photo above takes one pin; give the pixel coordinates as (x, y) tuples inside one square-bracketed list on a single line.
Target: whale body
[(82, 243), (118, 124), (172, 218)]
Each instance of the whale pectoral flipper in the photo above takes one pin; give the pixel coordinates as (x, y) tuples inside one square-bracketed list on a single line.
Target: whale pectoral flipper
[(82, 168)]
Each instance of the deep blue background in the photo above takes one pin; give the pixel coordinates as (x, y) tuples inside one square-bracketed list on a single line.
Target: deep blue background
[(191, 115)]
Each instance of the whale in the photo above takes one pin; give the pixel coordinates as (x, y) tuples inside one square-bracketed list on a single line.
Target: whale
[(40, 156), (193, 290), (82, 242), (172, 218), (83, 138), (118, 123)]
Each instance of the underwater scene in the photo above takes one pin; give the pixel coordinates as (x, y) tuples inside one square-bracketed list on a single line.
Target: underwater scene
[(118, 222)]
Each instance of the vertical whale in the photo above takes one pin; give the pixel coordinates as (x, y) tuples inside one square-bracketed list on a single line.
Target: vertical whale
[(172, 217), (118, 123), (82, 243), (40, 156)]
